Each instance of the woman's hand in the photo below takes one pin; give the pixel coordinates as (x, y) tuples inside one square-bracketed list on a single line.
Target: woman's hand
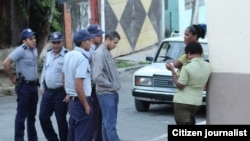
[(169, 66)]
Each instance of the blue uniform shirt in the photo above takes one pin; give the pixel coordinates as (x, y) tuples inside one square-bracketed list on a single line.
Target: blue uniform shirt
[(52, 69), (26, 59), (76, 65)]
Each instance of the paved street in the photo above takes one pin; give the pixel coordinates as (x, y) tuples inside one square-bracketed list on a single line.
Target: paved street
[(131, 125)]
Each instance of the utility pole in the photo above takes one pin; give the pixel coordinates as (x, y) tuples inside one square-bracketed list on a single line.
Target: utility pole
[(195, 12)]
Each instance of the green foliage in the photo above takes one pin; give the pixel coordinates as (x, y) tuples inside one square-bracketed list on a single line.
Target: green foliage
[(145, 62), (47, 4), (55, 25), (124, 64)]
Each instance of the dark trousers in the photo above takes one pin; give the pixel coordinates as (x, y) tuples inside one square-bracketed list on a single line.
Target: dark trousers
[(53, 102), (96, 124), (79, 121), (184, 114), (27, 99)]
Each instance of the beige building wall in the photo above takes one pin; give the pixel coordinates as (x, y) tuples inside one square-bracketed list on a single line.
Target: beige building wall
[(228, 38), (139, 23)]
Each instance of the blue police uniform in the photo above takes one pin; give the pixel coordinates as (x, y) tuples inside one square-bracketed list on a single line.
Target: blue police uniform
[(52, 100), (26, 59), (77, 66), (96, 124)]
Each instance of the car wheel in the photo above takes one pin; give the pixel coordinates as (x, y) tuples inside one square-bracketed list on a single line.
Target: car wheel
[(141, 106)]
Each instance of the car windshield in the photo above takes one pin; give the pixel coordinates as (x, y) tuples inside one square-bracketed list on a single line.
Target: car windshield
[(173, 50)]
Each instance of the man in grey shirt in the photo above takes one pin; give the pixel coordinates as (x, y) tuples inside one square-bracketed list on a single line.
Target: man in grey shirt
[(106, 78)]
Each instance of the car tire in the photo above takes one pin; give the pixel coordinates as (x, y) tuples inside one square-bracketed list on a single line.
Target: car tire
[(141, 106)]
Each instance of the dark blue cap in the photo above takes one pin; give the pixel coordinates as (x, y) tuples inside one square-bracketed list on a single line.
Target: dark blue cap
[(95, 29), (82, 35), (56, 36), (26, 33)]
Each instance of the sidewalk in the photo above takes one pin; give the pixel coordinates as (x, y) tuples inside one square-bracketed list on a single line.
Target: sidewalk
[(7, 88)]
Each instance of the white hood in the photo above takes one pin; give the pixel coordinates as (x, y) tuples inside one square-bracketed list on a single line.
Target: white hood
[(154, 68)]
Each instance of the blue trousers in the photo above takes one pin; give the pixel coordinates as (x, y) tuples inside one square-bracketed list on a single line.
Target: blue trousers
[(53, 102), (96, 123), (109, 108), (79, 121), (27, 99)]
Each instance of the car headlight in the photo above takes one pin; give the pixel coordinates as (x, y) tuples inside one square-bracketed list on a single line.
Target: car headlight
[(143, 81)]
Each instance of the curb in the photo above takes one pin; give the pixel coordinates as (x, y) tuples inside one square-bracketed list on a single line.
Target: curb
[(7, 91), (121, 70)]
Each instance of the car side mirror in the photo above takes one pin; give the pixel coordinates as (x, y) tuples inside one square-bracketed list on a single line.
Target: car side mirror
[(148, 58)]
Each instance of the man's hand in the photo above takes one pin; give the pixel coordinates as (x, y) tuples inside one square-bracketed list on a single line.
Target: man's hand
[(87, 109), (42, 91), (13, 80), (66, 99)]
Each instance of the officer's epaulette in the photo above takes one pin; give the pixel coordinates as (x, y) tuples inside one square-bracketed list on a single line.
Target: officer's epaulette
[(25, 47), (49, 49)]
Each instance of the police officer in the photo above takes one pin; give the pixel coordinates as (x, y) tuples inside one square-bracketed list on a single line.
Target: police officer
[(54, 97), (26, 79), (77, 83), (96, 124)]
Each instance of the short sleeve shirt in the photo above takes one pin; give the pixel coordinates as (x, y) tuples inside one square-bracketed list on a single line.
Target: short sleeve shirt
[(76, 65), (52, 69), (183, 60), (194, 75), (26, 59)]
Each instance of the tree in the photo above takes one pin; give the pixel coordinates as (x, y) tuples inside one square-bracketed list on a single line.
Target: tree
[(42, 16), (46, 15)]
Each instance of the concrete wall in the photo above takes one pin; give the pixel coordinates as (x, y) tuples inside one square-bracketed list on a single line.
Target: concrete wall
[(185, 14), (139, 22), (228, 39)]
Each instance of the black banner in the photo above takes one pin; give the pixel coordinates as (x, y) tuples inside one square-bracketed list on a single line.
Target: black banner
[(208, 132)]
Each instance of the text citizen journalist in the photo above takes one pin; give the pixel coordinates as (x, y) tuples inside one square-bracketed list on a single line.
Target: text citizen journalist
[(207, 133)]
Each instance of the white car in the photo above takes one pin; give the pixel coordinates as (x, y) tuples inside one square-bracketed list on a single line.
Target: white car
[(153, 83)]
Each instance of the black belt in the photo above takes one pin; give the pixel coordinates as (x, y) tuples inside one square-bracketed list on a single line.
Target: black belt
[(75, 98), (30, 82), (56, 90), (92, 84)]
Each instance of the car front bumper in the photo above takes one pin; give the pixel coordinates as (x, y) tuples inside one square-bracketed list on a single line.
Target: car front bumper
[(156, 96)]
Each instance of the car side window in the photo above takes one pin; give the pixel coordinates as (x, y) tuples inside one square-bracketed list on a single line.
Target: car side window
[(169, 51), (162, 53)]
